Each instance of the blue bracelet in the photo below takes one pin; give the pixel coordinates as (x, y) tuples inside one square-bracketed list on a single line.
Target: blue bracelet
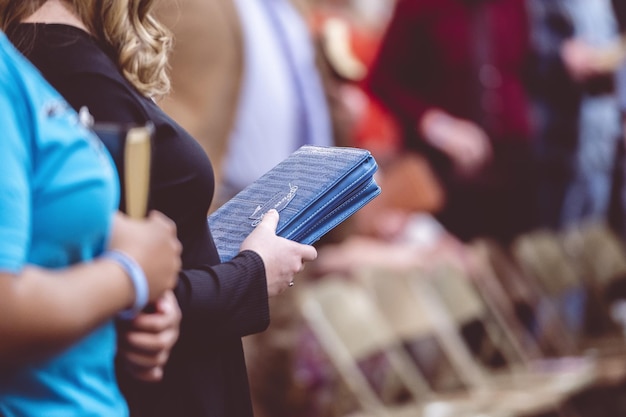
[(138, 278)]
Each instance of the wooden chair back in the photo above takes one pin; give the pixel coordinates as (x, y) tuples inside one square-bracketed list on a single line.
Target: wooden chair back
[(524, 305), (542, 257), (597, 251), (350, 329)]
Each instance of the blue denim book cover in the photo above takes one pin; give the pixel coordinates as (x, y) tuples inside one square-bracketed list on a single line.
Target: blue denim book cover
[(314, 189)]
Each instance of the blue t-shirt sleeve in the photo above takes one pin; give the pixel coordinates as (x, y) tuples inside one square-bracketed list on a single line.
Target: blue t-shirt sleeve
[(15, 168)]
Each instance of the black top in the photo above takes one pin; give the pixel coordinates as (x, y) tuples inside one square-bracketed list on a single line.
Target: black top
[(221, 303)]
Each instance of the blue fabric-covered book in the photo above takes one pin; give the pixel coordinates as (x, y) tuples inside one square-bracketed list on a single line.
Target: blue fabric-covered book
[(314, 189)]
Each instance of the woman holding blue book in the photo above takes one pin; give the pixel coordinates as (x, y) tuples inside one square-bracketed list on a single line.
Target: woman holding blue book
[(111, 57)]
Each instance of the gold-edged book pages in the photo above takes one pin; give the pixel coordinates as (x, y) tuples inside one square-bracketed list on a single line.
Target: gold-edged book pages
[(137, 160)]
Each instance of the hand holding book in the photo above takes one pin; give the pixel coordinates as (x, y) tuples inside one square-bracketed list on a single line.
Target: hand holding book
[(282, 258), (147, 338), (314, 190)]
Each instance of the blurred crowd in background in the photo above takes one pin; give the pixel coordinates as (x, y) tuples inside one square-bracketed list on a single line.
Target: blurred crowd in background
[(498, 127)]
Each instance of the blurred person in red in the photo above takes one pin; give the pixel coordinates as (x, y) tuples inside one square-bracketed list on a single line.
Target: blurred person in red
[(451, 73), (349, 39)]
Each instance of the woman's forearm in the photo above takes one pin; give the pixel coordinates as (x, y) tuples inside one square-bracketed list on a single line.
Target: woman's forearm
[(42, 311)]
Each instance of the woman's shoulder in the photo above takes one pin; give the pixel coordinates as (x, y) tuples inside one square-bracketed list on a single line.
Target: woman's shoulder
[(81, 69), (62, 50)]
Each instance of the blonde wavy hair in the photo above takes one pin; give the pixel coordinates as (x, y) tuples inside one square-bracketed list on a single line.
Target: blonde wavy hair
[(140, 42)]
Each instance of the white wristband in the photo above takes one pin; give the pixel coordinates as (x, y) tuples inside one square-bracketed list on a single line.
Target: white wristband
[(137, 277)]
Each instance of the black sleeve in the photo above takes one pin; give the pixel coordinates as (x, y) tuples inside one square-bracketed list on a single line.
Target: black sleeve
[(226, 299), (229, 298)]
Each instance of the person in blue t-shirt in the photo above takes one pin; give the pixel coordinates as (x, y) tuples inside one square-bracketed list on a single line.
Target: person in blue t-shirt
[(69, 264)]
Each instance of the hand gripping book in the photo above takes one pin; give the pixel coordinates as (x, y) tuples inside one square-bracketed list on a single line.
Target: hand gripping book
[(314, 190)]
